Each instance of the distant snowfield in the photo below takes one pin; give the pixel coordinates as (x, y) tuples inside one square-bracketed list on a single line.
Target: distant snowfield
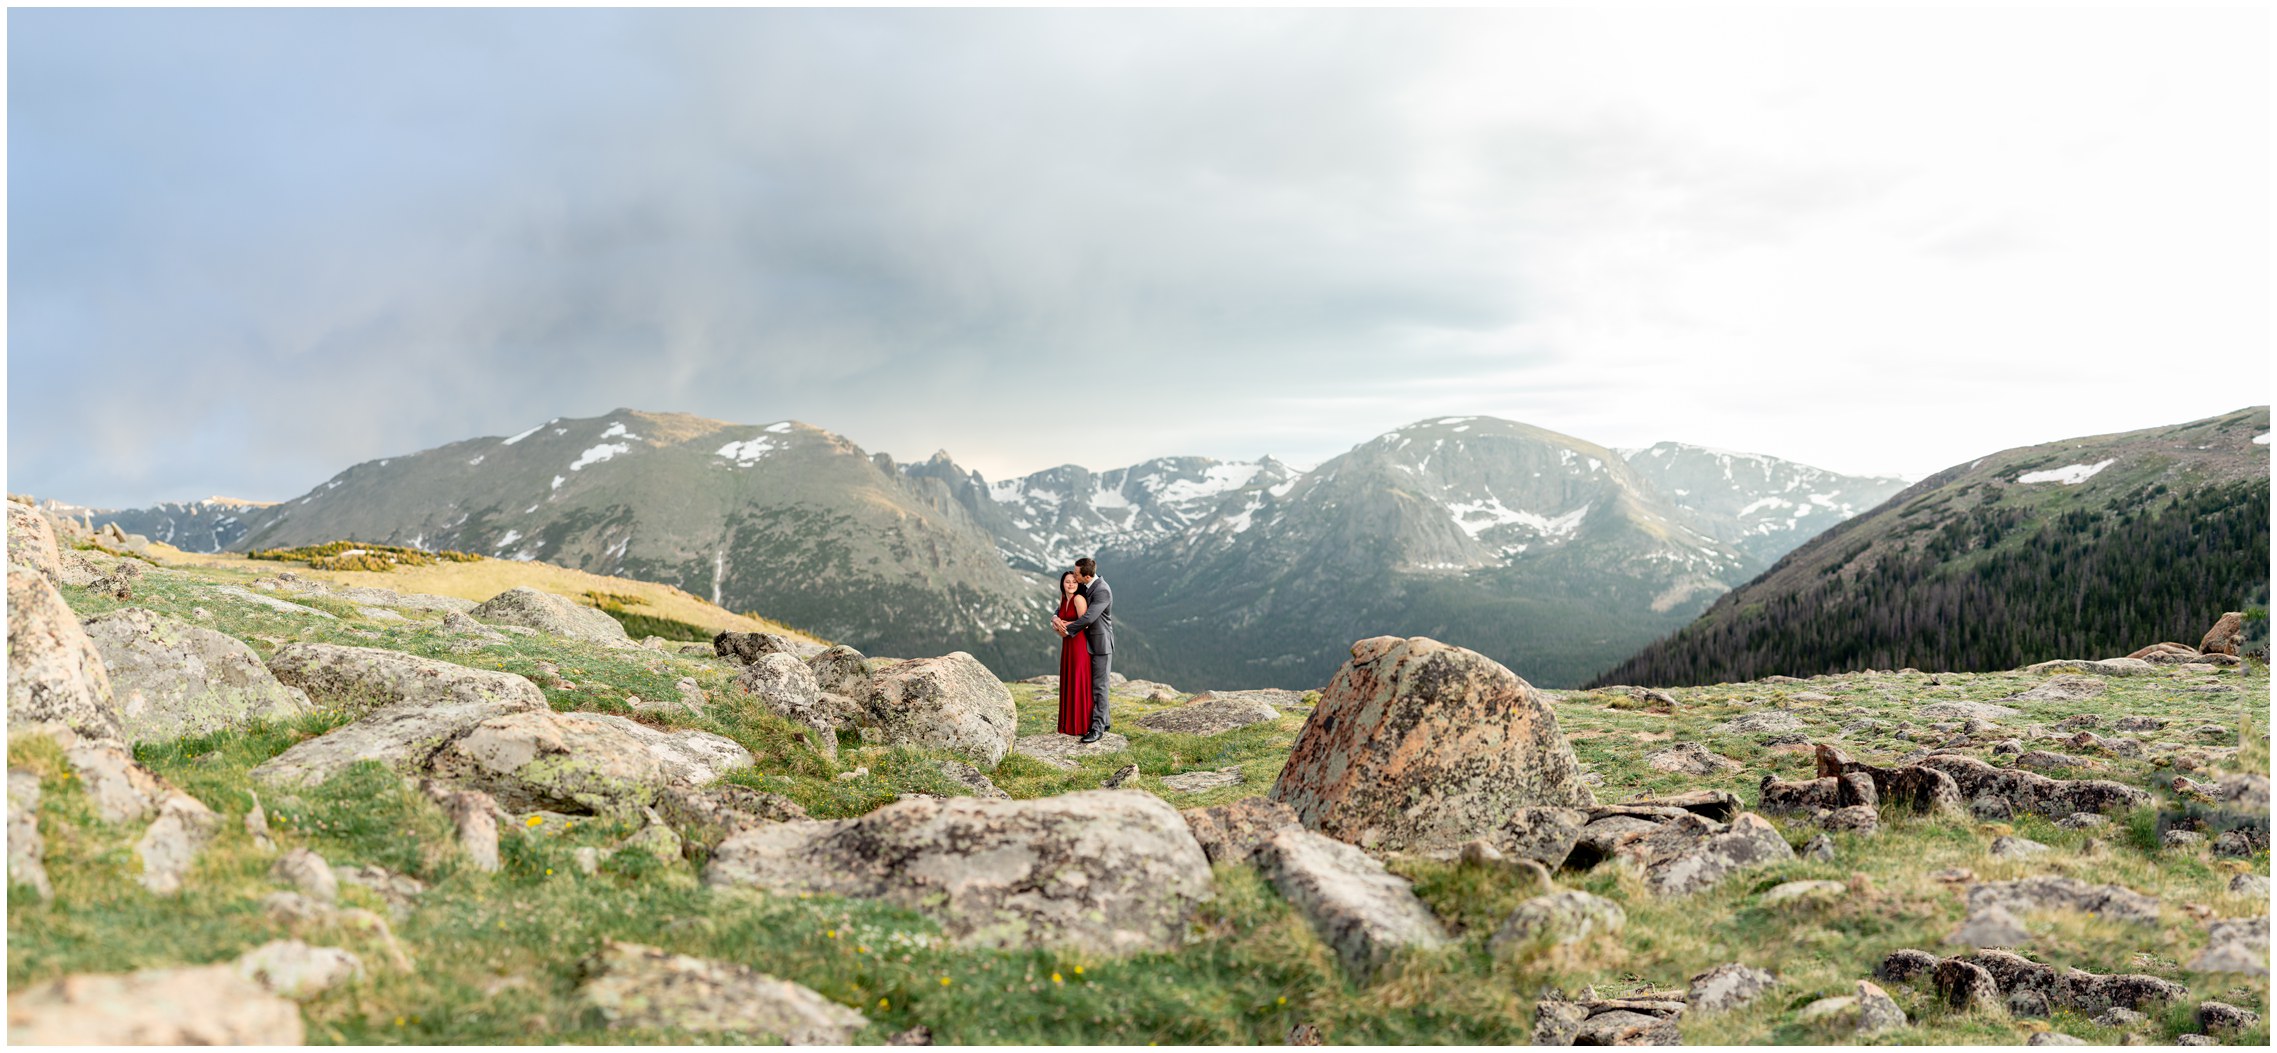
[(2070, 474), (1219, 479), (599, 453), (2262, 438), (1475, 517), (748, 452)]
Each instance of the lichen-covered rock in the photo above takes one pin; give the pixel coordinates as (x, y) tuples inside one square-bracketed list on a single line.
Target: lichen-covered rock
[(1066, 751), (633, 986), (172, 843), (1913, 786), (2031, 792), (31, 543), (582, 762), (1902, 966), (2222, 1016), (2071, 988), (1877, 1011), (172, 679), (2235, 945), (1546, 835), (207, 1005), (840, 670), (27, 863), (1691, 865), (746, 648), (2049, 892), (2226, 636), (1365, 913), (2063, 687), (55, 674), (1231, 833), (1690, 758), (1728, 986), (1558, 918), (1984, 711), (1416, 744), (952, 702), (788, 689), (2106, 667), (974, 779), (1211, 716), (1111, 871), (1965, 986), (296, 970), (1198, 781), (2011, 847), (417, 706), (548, 613), (713, 814)]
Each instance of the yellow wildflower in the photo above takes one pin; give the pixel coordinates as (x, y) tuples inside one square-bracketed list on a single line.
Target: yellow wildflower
[(944, 981), (883, 1004), (536, 819), (549, 871), (1078, 970), (832, 933), (1283, 1000), (1055, 978)]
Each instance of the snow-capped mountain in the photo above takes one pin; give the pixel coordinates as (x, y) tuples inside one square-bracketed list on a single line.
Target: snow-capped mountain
[(1761, 505), (1044, 521), (209, 525)]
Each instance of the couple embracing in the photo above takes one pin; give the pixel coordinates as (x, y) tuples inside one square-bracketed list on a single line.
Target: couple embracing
[(1086, 627)]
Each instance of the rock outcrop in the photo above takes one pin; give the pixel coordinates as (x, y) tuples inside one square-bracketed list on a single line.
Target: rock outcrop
[(841, 670), (1231, 833), (548, 613), (172, 679), (582, 762), (633, 986), (1416, 744), (1109, 871), (364, 679), (2026, 791), (1367, 914), (952, 702), (55, 674), (1212, 716)]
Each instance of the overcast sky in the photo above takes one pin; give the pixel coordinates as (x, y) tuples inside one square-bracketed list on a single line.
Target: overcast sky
[(249, 248)]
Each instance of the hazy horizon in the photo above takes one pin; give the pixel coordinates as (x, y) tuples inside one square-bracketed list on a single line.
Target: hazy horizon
[(249, 248)]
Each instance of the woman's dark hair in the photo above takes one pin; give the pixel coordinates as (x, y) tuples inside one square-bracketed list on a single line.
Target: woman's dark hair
[(1063, 583)]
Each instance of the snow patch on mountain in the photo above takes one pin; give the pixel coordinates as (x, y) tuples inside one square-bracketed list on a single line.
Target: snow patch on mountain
[(600, 453), (2069, 475)]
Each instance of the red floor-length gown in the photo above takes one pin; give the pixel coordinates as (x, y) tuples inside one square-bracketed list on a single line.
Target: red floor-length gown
[(1074, 678)]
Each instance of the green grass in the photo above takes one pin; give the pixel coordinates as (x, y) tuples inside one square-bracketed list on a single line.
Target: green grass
[(497, 956)]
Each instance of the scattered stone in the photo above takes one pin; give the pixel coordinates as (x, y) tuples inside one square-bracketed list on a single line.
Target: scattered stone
[(27, 852), (1965, 986), (1991, 808), (1121, 775), (1877, 1011), (1902, 966), (2043, 760), (2030, 792), (298, 971), (2083, 821), (1279, 698), (975, 780), (211, 1005), (587, 860), (745, 648), (174, 841), (2071, 988), (1063, 751), (1727, 987), (1691, 758), (2185, 840), (1198, 781), (2017, 848), (2249, 885), (2222, 1016), (474, 814), (2235, 945), (1211, 716), (1769, 721), (55, 673), (1984, 711), (1558, 1022), (401, 892), (308, 872), (1416, 744), (1819, 849), (1685, 868), (1827, 1009), (1231, 833), (2063, 893), (2120, 1017), (1558, 918), (1990, 926), (2052, 1038), (548, 613), (2139, 723), (2066, 687), (633, 986), (854, 773), (917, 1035), (1366, 913), (788, 689), (655, 837), (1303, 1035), (581, 762), (2106, 667), (172, 679), (2194, 1040), (1104, 870), (713, 814), (952, 702), (2238, 844)]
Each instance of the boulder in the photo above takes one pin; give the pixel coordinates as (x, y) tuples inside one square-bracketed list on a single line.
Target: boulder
[(55, 674), (2031, 792), (1691, 865), (952, 702), (1556, 919), (1199, 781), (2070, 988), (27, 852), (1064, 752), (2222, 1016), (31, 543), (2106, 667), (1691, 758), (634, 986), (2011, 847), (1877, 1011), (296, 970), (548, 613), (174, 841), (788, 689), (840, 670), (206, 1005), (1966, 987), (1543, 834), (1365, 913), (2049, 892), (1902, 966), (1728, 986), (1416, 744), (2226, 636), (364, 679), (582, 762), (711, 815), (750, 647), (172, 679), (1107, 871), (1211, 716), (1231, 833), (122, 790)]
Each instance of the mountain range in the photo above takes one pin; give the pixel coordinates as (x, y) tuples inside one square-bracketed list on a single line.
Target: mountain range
[(2084, 548), (1553, 554)]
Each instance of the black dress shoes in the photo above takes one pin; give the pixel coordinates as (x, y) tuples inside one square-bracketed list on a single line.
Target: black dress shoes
[(1089, 736)]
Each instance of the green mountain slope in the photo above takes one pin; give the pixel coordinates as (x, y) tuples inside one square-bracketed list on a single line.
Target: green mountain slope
[(2082, 548)]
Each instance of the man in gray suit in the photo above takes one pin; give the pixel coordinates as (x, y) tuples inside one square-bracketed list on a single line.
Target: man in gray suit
[(1098, 628)]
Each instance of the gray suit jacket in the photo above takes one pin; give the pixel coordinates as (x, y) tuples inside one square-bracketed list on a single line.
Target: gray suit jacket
[(1098, 621)]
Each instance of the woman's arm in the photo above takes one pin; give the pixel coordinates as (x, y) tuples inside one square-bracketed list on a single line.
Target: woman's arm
[(1080, 605)]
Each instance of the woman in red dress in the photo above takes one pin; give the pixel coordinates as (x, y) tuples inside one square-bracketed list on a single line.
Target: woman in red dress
[(1074, 663)]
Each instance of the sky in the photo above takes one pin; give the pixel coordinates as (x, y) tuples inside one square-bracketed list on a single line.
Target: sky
[(249, 248)]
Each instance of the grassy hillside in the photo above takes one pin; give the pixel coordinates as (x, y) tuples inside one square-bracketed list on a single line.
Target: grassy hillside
[(496, 956), (2090, 546)]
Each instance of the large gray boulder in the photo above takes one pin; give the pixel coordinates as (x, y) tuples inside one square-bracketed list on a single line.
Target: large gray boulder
[(1211, 716), (173, 679), (416, 705), (1105, 871), (1416, 744), (1684, 857), (548, 613), (205, 1005), (55, 674), (633, 986), (952, 702), (841, 670), (1367, 914), (582, 762), (788, 689), (31, 543)]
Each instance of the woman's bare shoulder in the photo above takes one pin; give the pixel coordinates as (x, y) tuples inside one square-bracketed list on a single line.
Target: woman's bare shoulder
[(1081, 605)]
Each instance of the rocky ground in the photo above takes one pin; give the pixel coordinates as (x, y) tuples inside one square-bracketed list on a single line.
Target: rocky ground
[(257, 808)]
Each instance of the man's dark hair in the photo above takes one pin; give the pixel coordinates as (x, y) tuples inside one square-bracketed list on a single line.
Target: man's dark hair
[(1087, 567)]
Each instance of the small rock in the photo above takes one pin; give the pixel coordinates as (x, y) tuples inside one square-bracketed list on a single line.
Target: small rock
[(26, 850), (1691, 758), (1121, 775), (587, 860), (1877, 1011), (2194, 1040), (1303, 1035), (2249, 885), (1198, 781), (1990, 926), (2016, 848), (200, 1005), (298, 971), (1902, 966), (1362, 910), (1726, 987), (2120, 1017), (633, 986), (2054, 1038), (308, 872), (2083, 821), (1820, 849), (919, 1035), (2222, 1016), (977, 781), (1965, 986), (1231, 833), (850, 776), (1796, 890), (2027, 1003), (1558, 918), (2184, 840), (174, 840)]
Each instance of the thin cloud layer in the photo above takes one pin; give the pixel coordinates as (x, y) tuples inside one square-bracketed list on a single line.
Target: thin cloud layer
[(250, 247)]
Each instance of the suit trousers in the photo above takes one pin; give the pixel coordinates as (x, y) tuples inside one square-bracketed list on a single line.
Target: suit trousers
[(1099, 663)]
